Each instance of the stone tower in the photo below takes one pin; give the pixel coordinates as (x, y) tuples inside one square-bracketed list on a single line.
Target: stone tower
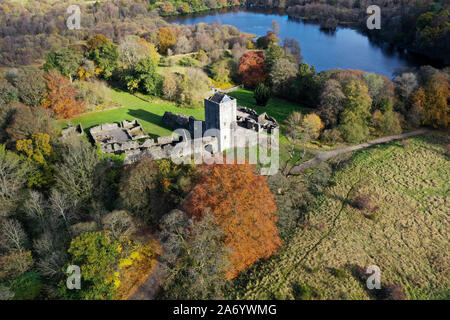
[(220, 114)]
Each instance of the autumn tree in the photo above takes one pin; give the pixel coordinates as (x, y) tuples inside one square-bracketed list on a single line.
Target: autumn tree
[(8, 93), (97, 41), (252, 68), (331, 103), (243, 207), (61, 97), (292, 47), (97, 254), (133, 49), (353, 124), (194, 87), (82, 175), (311, 125), (39, 154), (293, 126), (170, 86), (432, 99), (303, 129), (166, 39), (21, 122), (220, 71), (267, 40)]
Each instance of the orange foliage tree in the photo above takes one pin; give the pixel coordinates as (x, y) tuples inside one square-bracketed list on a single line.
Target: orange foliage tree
[(166, 39), (97, 41), (432, 100), (252, 68), (244, 208), (61, 96)]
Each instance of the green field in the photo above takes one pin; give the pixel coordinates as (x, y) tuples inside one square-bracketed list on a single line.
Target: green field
[(149, 114), (408, 238), (277, 108)]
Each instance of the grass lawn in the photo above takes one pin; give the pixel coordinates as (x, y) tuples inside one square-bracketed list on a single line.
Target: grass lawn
[(149, 114), (277, 108), (407, 238)]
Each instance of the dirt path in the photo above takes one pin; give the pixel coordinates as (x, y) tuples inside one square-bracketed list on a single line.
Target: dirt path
[(325, 155), (149, 289)]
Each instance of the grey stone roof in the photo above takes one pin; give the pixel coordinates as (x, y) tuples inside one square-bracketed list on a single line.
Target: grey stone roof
[(219, 98)]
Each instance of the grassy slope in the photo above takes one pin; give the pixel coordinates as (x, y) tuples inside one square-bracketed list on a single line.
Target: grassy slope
[(148, 113), (408, 240)]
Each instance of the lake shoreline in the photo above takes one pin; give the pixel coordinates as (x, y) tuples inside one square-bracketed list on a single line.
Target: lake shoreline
[(374, 55)]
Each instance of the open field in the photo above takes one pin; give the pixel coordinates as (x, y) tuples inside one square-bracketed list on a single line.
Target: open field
[(149, 114), (407, 237)]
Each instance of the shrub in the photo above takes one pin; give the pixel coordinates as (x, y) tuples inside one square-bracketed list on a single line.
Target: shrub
[(405, 143), (393, 292), (301, 291), (331, 136), (339, 273), (364, 202), (27, 286), (187, 62), (262, 94), (93, 93), (360, 202), (360, 273)]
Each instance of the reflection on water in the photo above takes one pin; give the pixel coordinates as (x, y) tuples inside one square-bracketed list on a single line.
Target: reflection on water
[(344, 48)]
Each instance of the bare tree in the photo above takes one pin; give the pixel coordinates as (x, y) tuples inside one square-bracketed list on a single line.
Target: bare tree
[(36, 208), (62, 206), (184, 45), (51, 253), (275, 27), (12, 235), (120, 223), (292, 46)]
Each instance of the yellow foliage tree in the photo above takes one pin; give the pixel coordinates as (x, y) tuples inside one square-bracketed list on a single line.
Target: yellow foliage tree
[(135, 267), (40, 154), (312, 125)]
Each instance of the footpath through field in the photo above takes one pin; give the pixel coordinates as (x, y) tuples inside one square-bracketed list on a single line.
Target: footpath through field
[(325, 155)]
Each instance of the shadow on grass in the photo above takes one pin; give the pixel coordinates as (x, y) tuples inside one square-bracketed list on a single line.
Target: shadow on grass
[(148, 116), (278, 108)]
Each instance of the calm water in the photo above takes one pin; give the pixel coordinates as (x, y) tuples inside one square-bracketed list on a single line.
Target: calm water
[(345, 48)]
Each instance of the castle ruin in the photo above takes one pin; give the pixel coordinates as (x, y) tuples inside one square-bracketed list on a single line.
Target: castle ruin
[(226, 125)]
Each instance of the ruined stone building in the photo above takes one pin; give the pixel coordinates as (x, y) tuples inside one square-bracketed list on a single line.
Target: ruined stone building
[(226, 125)]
